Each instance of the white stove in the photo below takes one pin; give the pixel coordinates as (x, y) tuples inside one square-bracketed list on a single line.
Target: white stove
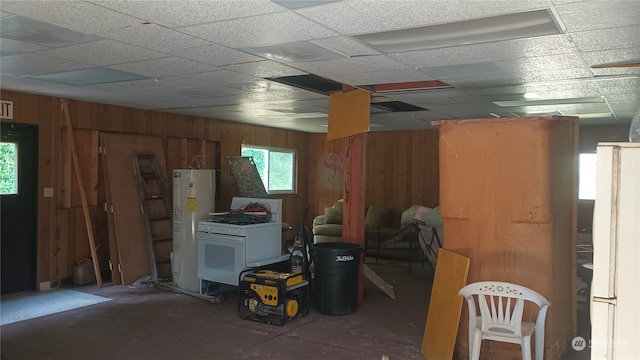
[(226, 249), (212, 227)]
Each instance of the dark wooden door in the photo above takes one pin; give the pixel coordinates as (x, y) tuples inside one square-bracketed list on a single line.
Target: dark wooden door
[(18, 207)]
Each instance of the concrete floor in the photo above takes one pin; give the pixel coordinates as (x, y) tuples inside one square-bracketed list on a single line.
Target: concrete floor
[(147, 323)]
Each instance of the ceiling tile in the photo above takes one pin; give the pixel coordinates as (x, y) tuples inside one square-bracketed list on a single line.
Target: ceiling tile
[(265, 69), (260, 30), (599, 14), (164, 67), (136, 87), (216, 55), (346, 45), (541, 63), (184, 13), (209, 102), (297, 51), (619, 86), (373, 63), (608, 39), (616, 71), (259, 85), (395, 121), (103, 52), (154, 37), (612, 56), (13, 47), (76, 15), (463, 70), (33, 64), (214, 77)]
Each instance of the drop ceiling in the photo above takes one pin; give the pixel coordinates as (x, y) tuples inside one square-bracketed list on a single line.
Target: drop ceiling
[(240, 60)]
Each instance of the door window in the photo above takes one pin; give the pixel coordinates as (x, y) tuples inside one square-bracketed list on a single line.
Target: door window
[(8, 168)]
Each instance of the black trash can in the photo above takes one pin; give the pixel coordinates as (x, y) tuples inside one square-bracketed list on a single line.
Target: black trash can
[(336, 277)]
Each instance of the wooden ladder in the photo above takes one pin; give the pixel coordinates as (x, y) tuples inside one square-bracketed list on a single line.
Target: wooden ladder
[(155, 206)]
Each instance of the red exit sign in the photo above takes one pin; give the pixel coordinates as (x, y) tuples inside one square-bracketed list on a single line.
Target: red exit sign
[(6, 109)]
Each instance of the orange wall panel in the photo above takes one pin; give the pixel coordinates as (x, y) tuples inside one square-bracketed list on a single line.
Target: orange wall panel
[(508, 202)]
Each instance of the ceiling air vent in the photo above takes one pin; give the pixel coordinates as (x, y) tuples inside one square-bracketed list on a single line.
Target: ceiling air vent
[(310, 82), (396, 106)]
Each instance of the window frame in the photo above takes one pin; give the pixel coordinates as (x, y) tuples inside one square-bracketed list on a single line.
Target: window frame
[(294, 171)]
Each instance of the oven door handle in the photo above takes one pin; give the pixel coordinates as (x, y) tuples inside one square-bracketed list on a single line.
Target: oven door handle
[(221, 239)]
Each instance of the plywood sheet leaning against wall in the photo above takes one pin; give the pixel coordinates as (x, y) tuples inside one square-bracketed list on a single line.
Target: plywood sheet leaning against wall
[(445, 306), (132, 247)]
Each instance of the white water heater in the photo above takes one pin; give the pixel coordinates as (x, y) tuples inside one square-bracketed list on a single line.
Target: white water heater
[(193, 200)]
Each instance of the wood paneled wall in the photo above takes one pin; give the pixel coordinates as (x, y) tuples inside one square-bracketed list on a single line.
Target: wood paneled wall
[(401, 169), (57, 253)]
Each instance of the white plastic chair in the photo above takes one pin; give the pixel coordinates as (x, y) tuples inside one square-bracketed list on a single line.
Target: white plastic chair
[(501, 305)]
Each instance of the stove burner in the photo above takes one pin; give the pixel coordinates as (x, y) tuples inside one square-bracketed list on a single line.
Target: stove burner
[(235, 221), (238, 218)]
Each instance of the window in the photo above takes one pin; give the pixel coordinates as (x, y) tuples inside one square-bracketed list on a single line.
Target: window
[(587, 176), (8, 168), (276, 166)]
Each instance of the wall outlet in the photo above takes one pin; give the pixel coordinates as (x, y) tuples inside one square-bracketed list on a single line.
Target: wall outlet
[(48, 192)]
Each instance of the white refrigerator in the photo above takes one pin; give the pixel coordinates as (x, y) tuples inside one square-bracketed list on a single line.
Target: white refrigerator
[(615, 298)]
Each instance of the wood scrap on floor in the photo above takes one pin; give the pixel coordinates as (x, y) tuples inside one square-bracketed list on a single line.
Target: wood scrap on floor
[(379, 282)]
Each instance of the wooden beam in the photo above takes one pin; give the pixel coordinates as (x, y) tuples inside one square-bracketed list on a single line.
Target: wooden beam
[(354, 193), (83, 195)]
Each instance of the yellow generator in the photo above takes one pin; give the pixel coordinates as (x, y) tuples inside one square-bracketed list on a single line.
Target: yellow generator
[(272, 297)]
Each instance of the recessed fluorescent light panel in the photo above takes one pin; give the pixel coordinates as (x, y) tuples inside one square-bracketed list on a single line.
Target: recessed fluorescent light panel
[(297, 51), (542, 113), (582, 100), (297, 4), (593, 115), (407, 86), (495, 28), (41, 33), (294, 115), (90, 76)]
